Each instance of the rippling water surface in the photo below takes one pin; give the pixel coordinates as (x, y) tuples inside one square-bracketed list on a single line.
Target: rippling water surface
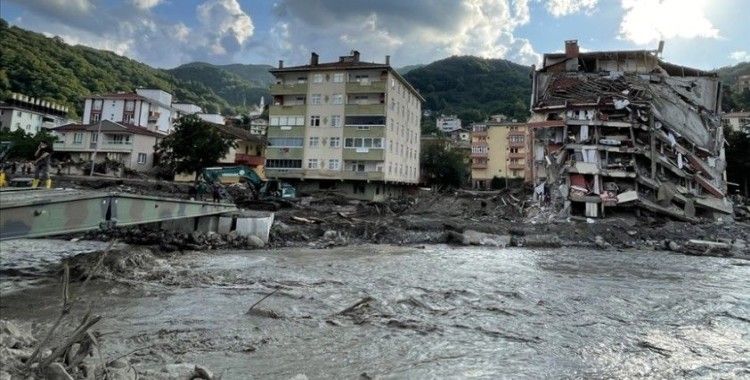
[(426, 313)]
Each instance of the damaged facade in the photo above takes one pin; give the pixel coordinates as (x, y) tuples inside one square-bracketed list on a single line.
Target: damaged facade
[(625, 130)]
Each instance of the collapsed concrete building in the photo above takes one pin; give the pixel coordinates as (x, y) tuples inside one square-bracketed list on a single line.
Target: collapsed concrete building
[(624, 130)]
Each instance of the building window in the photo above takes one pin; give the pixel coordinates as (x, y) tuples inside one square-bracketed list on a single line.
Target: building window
[(19, 113), (338, 99), (314, 141), (127, 118), (95, 117), (516, 139), (312, 163), (338, 77), (94, 137), (129, 106), (334, 164), (285, 142), (514, 150), (315, 99), (315, 121), (78, 138), (302, 80), (141, 158), (335, 142), (284, 164), (364, 142), (97, 105), (336, 121), (318, 78), (119, 139)]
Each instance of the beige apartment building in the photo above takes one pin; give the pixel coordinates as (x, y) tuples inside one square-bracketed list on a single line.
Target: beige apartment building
[(349, 125), (499, 149)]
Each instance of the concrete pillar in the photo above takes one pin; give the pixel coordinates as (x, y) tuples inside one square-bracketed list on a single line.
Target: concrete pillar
[(256, 223)]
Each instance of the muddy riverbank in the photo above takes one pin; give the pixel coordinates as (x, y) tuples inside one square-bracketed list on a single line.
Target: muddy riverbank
[(395, 311), (501, 218), (458, 219)]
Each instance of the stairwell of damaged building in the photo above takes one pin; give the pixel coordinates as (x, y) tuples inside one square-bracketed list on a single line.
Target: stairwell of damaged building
[(624, 130)]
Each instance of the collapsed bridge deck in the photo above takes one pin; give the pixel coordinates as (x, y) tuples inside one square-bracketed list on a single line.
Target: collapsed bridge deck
[(36, 212)]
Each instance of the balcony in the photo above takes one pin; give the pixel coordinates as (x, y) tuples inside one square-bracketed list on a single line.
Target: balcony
[(517, 166), (294, 110), (517, 155), (363, 176), (90, 147), (516, 144), (365, 109), (289, 89), (479, 165), (249, 160), (153, 117), (363, 87), (363, 154), (284, 172), (282, 153)]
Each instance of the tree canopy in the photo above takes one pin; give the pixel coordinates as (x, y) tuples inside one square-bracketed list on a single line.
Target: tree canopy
[(193, 145), (50, 69), (443, 166), (474, 88)]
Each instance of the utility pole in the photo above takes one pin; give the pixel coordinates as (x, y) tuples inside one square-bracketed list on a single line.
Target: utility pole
[(96, 149)]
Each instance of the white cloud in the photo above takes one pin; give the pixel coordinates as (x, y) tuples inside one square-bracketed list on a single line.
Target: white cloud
[(225, 24), (146, 4), (414, 31), (740, 56), (648, 21), (559, 8)]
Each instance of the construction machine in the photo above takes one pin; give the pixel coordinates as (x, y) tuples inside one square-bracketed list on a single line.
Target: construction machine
[(252, 181)]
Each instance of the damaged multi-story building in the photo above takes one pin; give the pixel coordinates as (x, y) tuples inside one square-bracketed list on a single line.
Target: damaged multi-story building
[(623, 130)]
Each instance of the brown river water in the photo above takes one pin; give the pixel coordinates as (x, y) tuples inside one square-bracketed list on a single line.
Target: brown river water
[(432, 312)]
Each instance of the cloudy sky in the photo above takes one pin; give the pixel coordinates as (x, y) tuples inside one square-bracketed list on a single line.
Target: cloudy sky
[(165, 33)]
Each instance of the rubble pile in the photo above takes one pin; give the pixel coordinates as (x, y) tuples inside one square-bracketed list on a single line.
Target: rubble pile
[(617, 131), (170, 241)]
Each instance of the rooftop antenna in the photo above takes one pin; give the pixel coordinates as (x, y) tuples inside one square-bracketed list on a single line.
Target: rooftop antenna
[(660, 49)]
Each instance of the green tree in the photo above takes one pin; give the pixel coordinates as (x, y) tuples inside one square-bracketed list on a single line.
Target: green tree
[(25, 144), (443, 167), (193, 145)]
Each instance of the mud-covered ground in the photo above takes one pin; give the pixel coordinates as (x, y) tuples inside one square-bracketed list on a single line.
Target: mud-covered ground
[(510, 218)]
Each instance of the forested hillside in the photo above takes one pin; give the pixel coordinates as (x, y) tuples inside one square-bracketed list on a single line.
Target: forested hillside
[(474, 88), (224, 81), (733, 99), (50, 69)]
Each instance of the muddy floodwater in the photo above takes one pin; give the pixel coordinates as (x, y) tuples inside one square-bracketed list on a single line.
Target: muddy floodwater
[(432, 312)]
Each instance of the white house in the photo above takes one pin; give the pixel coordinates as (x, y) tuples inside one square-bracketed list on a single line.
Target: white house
[(448, 123), (147, 108), (31, 115)]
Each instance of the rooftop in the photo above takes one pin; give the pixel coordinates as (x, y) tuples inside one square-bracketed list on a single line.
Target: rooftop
[(107, 126)]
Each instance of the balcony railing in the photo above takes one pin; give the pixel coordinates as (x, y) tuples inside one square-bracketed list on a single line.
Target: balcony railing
[(360, 87), (517, 166), (365, 109), (296, 109), (363, 176), (241, 158), (288, 88), (479, 154), (90, 147), (479, 165)]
